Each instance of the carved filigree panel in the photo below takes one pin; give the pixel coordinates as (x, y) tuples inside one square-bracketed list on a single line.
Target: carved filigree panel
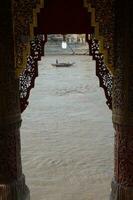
[(29, 74), (26, 81), (102, 12), (24, 19), (105, 77)]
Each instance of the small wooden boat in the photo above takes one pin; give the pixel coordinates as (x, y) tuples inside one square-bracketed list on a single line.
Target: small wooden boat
[(63, 64)]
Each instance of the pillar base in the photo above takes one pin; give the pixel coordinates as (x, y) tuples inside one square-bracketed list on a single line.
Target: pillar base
[(120, 192), (15, 190)]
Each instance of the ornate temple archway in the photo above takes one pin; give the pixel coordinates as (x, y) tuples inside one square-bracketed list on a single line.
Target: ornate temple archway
[(110, 42)]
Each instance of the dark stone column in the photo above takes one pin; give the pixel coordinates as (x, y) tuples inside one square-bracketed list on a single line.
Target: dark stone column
[(122, 184), (12, 181)]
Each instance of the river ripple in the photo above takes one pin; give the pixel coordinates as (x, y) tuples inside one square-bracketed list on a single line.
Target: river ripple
[(67, 134)]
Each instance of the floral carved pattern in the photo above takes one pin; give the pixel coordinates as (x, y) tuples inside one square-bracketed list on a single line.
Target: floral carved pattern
[(29, 74), (27, 50), (106, 24), (23, 21), (26, 81), (102, 43), (105, 77), (104, 19)]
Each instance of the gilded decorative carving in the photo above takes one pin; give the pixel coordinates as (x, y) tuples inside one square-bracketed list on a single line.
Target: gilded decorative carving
[(22, 11), (105, 77), (26, 55), (104, 27), (101, 45), (25, 14), (27, 77)]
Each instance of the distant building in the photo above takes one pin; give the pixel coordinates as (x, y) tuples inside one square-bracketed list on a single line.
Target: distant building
[(71, 38)]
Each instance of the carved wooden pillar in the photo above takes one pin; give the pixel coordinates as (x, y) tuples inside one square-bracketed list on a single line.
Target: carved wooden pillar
[(122, 185), (12, 181)]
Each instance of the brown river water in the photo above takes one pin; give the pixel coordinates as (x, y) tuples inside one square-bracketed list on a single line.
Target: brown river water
[(67, 133)]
